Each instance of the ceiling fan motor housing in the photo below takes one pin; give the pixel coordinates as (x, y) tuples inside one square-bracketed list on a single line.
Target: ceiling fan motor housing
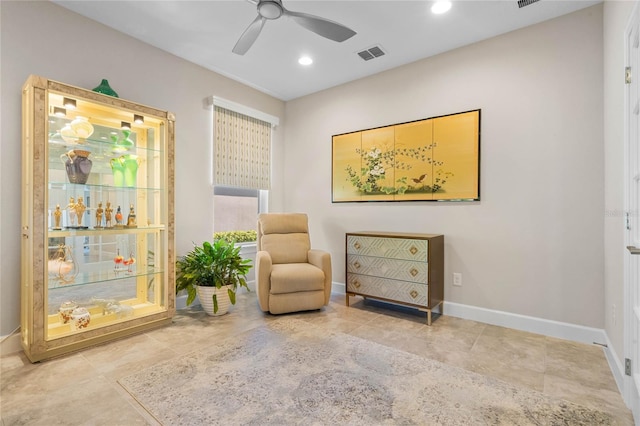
[(270, 9)]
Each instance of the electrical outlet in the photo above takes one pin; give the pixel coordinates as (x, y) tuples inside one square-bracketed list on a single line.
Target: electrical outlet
[(457, 279)]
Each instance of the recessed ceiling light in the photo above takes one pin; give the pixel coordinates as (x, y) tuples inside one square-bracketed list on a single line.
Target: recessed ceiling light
[(305, 60), (441, 6)]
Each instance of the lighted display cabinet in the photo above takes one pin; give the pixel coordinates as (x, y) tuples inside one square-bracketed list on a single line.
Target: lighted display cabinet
[(97, 218)]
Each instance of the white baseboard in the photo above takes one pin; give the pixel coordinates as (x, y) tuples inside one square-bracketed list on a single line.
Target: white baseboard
[(181, 301), (614, 363), (338, 288), (10, 344)]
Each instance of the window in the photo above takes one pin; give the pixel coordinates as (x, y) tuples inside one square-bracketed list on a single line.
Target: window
[(235, 209), (241, 165)]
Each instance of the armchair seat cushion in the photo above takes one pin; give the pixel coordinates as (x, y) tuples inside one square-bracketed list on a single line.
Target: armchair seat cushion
[(296, 277)]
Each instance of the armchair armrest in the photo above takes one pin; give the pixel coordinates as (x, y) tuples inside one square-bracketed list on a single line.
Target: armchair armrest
[(322, 260), (263, 278)]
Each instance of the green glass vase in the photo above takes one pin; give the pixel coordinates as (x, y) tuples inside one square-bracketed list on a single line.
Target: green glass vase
[(105, 89)]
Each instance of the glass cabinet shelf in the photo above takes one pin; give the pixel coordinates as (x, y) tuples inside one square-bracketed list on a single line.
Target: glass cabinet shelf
[(106, 231), (100, 147), (67, 186), (99, 277)]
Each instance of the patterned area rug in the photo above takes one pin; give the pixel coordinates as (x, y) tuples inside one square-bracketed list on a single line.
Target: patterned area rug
[(290, 372)]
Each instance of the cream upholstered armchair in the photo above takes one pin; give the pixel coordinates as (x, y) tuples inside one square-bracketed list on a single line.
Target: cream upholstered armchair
[(290, 276)]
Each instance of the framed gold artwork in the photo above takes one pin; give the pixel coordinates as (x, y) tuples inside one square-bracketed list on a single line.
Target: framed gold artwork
[(434, 159)]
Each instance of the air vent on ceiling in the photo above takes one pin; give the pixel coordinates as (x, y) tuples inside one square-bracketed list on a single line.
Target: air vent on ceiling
[(523, 3), (370, 53)]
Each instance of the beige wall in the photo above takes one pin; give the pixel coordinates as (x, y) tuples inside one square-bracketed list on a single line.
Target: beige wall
[(534, 244), (616, 15), (45, 39)]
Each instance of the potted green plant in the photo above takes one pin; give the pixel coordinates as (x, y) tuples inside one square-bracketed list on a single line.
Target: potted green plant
[(214, 272)]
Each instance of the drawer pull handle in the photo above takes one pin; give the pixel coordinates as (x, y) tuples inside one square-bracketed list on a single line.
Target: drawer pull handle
[(357, 245), (413, 272), (414, 294), (356, 265), (413, 250), (356, 284)]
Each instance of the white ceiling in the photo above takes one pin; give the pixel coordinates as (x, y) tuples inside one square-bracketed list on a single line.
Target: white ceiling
[(204, 32)]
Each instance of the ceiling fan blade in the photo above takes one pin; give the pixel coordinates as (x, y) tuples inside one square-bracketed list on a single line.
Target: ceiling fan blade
[(324, 27), (249, 36)]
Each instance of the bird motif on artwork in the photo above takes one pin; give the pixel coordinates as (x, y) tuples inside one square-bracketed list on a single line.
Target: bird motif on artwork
[(420, 179)]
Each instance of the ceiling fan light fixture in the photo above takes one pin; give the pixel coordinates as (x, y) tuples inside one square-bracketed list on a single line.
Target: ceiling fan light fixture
[(440, 7), (305, 60)]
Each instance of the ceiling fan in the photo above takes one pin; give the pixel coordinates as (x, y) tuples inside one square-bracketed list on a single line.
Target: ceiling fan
[(273, 9)]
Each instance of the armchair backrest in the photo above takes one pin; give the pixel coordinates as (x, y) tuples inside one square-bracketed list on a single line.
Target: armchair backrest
[(285, 236)]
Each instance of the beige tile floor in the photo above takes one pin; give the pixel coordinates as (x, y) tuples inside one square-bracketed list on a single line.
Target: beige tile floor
[(82, 388)]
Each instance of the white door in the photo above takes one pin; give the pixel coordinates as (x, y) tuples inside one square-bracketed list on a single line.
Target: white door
[(632, 190)]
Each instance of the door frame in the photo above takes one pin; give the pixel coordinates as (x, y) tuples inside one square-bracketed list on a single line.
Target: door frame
[(631, 389)]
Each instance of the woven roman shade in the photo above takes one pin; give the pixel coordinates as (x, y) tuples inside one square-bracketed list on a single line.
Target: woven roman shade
[(242, 150)]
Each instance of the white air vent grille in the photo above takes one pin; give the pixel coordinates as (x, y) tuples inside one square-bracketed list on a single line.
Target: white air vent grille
[(370, 53), (523, 3)]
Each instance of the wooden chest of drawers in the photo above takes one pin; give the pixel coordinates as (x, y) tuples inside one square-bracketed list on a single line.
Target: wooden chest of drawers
[(407, 269)]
